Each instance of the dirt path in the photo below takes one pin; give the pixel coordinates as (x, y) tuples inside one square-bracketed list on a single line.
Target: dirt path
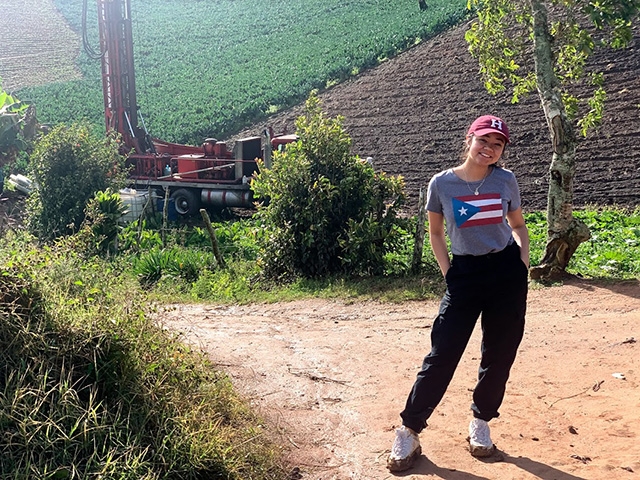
[(333, 376)]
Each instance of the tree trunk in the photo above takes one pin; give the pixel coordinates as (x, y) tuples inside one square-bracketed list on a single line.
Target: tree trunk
[(565, 232)]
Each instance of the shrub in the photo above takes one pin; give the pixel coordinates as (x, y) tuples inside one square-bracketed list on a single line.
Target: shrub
[(140, 235), (100, 228), (69, 165), (325, 211), (13, 116), (176, 263)]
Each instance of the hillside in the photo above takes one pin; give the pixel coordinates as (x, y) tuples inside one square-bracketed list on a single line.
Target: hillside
[(411, 113), (209, 68)]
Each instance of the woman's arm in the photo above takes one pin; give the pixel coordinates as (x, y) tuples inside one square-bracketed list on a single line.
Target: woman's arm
[(438, 241), (520, 233)]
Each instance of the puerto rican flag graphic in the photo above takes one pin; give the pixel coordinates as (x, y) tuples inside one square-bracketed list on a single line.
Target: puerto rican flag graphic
[(476, 210)]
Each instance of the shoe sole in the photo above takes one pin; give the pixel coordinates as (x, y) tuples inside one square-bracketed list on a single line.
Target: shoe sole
[(405, 463), (479, 451)]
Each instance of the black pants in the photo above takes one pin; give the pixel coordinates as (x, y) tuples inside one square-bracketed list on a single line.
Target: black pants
[(494, 285)]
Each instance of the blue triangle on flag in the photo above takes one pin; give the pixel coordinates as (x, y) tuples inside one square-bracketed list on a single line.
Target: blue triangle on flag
[(463, 211)]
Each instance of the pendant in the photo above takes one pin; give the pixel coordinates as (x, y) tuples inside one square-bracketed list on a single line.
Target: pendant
[(476, 192)]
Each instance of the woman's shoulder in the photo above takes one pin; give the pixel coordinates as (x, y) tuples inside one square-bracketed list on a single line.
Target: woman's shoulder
[(503, 172), (448, 173)]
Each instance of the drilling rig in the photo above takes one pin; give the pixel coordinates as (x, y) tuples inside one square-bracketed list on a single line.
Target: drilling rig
[(192, 176)]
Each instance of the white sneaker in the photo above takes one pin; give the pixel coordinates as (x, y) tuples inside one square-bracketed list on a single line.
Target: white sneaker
[(405, 450), (480, 444)]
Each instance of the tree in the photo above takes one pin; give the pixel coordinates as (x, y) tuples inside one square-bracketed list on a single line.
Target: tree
[(529, 45), (324, 210), (69, 166)]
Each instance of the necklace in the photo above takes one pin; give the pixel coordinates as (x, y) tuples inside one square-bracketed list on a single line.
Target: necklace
[(477, 190)]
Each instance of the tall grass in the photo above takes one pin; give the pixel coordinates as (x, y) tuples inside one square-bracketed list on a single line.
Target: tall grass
[(91, 387)]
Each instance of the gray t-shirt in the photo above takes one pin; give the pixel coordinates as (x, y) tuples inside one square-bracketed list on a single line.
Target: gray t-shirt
[(476, 224)]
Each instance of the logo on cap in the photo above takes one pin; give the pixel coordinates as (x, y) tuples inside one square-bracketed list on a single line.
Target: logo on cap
[(487, 124)]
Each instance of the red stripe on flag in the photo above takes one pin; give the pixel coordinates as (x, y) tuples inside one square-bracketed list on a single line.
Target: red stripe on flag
[(483, 196), (493, 206), (482, 221)]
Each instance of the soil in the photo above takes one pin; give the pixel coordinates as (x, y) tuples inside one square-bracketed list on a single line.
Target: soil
[(331, 378), (411, 113)]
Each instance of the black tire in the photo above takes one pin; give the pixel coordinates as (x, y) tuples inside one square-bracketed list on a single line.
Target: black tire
[(186, 202)]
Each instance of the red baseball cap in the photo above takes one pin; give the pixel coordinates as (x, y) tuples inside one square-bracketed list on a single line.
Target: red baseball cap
[(489, 124)]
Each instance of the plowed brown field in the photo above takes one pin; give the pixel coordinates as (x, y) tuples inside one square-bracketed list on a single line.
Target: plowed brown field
[(411, 113)]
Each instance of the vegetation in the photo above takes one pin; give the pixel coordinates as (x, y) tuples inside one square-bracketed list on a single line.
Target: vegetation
[(327, 211), (99, 233), (613, 253), (14, 135), (543, 46), (10, 109), (210, 68), (92, 387), (70, 165)]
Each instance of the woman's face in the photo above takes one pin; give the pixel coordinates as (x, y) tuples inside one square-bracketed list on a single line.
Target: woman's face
[(485, 150)]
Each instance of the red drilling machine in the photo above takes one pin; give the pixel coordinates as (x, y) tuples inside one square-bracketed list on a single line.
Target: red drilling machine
[(210, 174)]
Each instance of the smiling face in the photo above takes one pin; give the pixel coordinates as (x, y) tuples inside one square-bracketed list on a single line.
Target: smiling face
[(485, 150)]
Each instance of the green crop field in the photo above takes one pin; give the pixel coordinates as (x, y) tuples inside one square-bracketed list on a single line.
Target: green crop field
[(211, 67)]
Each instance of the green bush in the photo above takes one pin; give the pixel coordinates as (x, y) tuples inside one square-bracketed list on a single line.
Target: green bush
[(69, 165), (325, 212), (18, 126), (138, 236), (101, 224)]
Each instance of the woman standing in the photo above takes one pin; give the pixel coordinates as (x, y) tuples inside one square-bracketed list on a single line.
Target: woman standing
[(486, 275)]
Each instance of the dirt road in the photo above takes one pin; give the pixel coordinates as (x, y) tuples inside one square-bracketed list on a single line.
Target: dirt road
[(332, 377)]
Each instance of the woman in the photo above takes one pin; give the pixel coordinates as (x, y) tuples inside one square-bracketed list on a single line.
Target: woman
[(486, 275)]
